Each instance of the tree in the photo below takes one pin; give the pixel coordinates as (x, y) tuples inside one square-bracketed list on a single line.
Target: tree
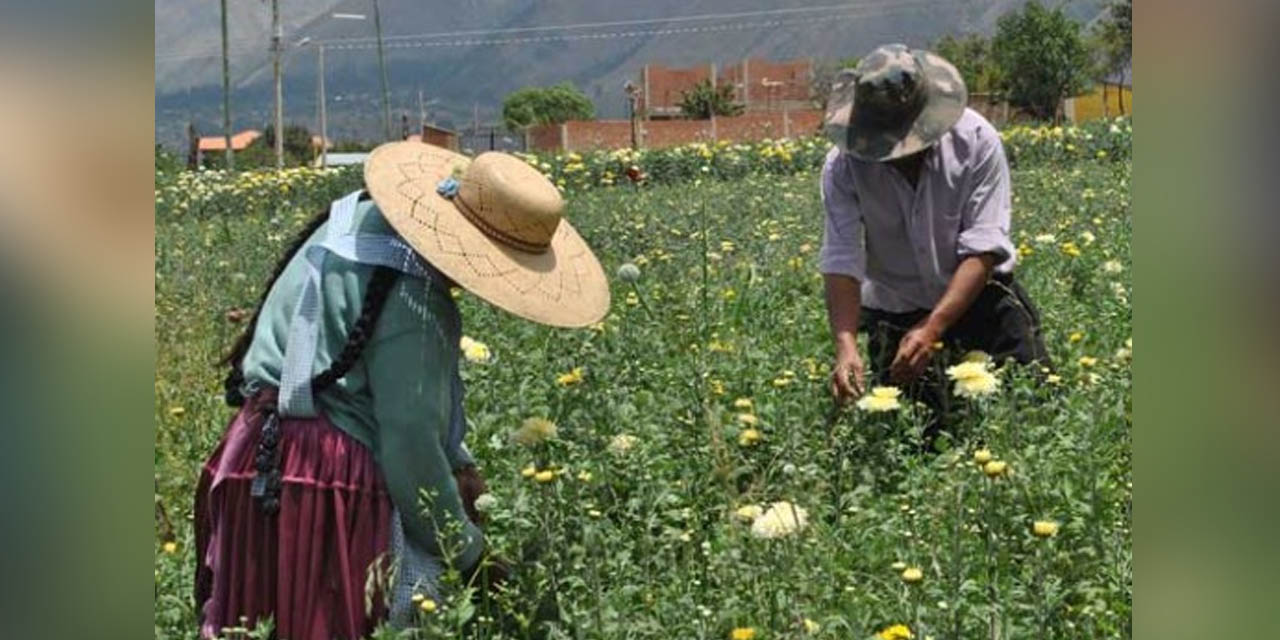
[(703, 101), (824, 75), (971, 54), (1112, 38), (545, 105), (1042, 58)]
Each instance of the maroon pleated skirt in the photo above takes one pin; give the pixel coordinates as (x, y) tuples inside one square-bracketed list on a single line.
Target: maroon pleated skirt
[(307, 564)]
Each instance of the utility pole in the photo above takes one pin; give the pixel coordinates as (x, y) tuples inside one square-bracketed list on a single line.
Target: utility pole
[(382, 64), (422, 112), (324, 123), (226, 92), (277, 44)]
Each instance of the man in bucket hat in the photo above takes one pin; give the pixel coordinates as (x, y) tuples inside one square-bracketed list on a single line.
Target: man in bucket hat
[(916, 249)]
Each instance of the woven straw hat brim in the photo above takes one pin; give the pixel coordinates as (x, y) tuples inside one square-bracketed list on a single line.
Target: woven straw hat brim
[(565, 286), (946, 98)]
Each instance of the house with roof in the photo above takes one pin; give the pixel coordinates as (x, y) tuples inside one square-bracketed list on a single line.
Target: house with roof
[(218, 144)]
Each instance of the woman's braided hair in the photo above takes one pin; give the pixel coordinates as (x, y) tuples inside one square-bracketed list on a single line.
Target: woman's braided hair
[(375, 297)]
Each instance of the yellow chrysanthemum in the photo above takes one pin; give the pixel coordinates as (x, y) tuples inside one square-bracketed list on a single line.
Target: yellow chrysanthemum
[(1044, 528), (973, 379), (571, 378), (896, 632), (749, 513), (912, 575), (811, 627), (995, 468), (534, 431), (748, 419), (427, 605), (170, 547), (749, 437), (1075, 337), (474, 350), (546, 475), (881, 399), (982, 456), (1088, 361), (742, 403), (529, 471), (743, 633), (177, 412)]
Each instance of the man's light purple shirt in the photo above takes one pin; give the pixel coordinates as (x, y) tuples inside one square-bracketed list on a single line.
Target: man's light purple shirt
[(904, 244)]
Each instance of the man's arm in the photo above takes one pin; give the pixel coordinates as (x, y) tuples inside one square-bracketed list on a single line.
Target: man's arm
[(966, 284), (844, 303), (843, 265)]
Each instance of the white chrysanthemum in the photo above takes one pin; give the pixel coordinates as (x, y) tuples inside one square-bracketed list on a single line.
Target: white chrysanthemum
[(622, 443), (881, 399), (781, 519), (485, 502)]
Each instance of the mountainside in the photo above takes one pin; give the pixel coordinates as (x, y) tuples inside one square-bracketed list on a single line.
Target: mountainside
[(467, 55)]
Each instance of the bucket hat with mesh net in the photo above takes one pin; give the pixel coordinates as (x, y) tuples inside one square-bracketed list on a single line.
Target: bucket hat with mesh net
[(897, 101), (492, 224)]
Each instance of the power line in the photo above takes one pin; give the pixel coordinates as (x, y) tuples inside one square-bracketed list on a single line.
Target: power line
[(355, 43)]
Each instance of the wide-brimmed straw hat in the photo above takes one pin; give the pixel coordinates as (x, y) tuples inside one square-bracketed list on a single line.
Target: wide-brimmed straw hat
[(494, 225), (897, 101)]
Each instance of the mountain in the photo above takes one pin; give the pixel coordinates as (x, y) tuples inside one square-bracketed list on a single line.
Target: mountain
[(465, 55)]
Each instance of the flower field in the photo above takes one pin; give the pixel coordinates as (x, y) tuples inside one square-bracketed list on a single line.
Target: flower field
[(678, 471)]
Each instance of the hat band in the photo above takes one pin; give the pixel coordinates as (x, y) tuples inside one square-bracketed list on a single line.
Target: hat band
[(494, 232)]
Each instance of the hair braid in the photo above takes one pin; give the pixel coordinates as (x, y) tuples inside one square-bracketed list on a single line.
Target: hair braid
[(375, 298)]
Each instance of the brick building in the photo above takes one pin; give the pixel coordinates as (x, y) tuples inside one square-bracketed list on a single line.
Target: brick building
[(759, 85)]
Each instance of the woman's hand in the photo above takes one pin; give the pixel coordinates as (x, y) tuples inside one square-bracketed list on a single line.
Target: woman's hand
[(470, 487)]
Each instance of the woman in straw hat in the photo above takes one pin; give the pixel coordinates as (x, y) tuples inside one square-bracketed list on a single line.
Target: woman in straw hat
[(351, 403)]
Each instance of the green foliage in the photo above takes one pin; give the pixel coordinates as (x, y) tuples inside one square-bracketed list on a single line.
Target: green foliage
[(1112, 38), (166, 162), (1042, 58), (545, 105), (646, 542), (702, 101), (971, 54)]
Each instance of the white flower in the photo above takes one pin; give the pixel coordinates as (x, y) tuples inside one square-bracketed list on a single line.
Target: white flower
[(622, 443), (486, 502), (474, 350), (1112, 266), (781, 519), (973, 379), (1046, 238)]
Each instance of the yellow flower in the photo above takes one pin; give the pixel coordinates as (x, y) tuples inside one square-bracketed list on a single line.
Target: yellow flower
[(995, 468), (781, 519), (743, 633), (896, 632), (729, 294), (427, 605), (811, 627), (973, 379), (633, 299), (177, 412), (748, 419), (1053, 378), (980, 357), (742, 403), (1025, 250), (474, 350), (170, 547), (546, 475), (529, 471), (717, 387), (594, 513), (748, 437), (584, 476), (898, 566), (571, 378), (982, 456), (1087, 361), (1044, 528), (749, 513), (912, 575), (534, 431), (1070, 249), (1076, 337), (881, 399), (782, 382)]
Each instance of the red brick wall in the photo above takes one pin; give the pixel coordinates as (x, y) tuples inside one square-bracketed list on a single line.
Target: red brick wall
[(666, 84), (614, 134)]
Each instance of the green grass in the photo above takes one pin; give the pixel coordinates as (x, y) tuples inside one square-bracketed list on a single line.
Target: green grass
[(650, 547)]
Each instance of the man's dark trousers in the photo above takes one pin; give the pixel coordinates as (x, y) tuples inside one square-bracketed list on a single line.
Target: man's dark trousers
[(1002, 322)]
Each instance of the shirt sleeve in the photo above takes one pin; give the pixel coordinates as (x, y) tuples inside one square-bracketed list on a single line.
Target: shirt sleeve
[(410, 380), (843, 251), (984, 220)]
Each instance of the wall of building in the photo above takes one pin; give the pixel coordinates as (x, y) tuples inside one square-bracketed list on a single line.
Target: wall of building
[(581, 135), (1119, 101)]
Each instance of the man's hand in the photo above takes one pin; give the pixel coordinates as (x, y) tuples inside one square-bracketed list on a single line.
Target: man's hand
[(848, 376), (914, 352), (470, 487)]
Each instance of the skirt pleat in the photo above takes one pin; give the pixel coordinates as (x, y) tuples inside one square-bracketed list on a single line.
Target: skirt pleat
[(308, 564)]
